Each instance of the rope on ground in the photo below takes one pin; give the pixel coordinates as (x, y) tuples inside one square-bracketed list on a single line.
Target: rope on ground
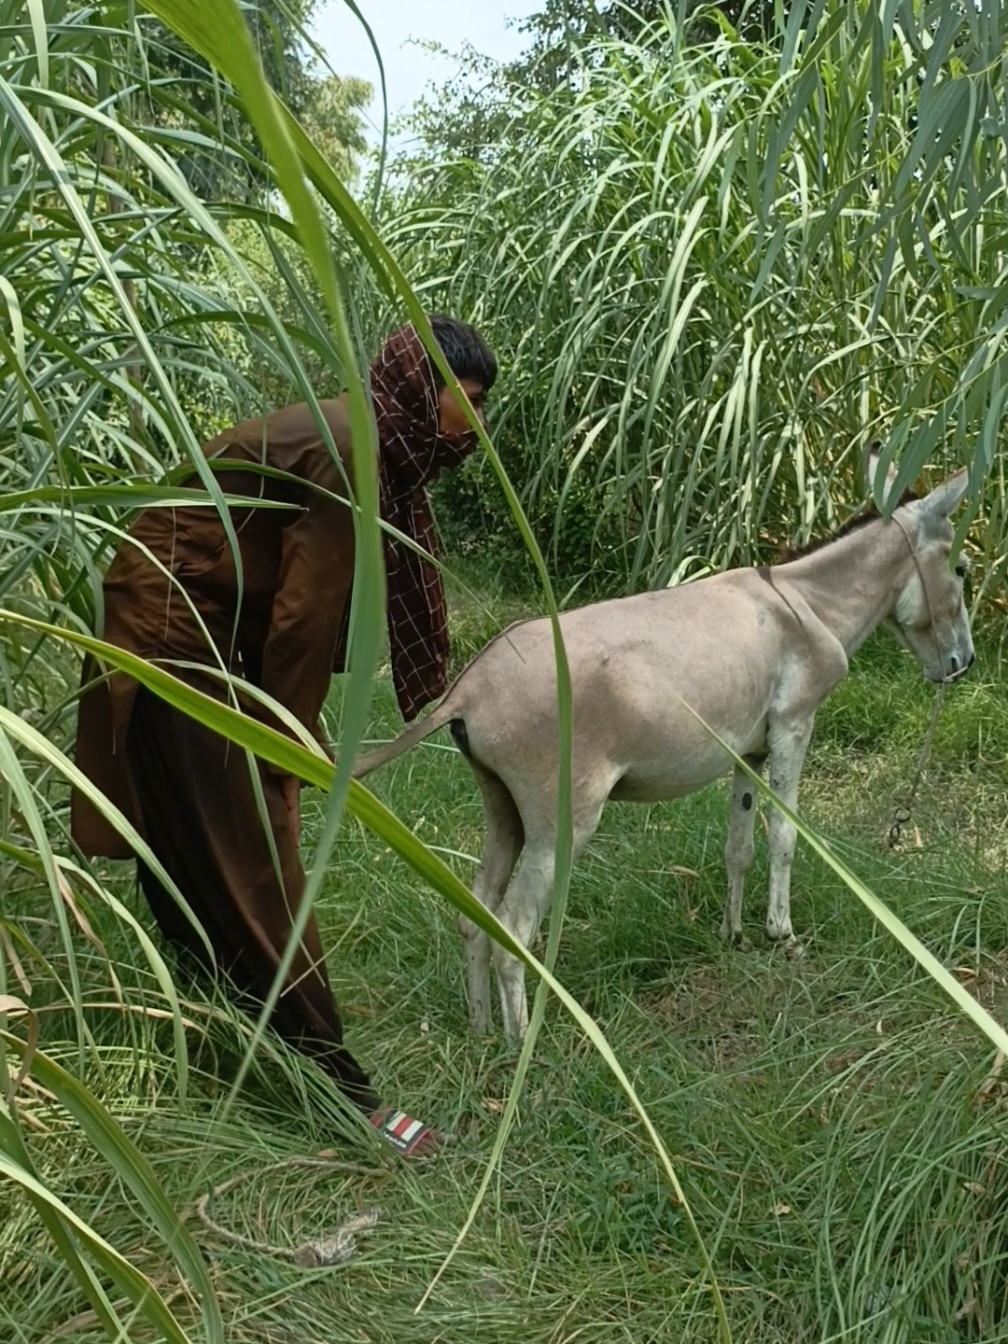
[(332, 1248)]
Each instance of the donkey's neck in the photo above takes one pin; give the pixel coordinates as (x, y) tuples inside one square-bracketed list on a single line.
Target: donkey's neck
[(852, 583)]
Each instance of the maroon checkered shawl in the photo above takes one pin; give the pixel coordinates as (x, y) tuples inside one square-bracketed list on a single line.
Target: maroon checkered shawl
[(411, 453)]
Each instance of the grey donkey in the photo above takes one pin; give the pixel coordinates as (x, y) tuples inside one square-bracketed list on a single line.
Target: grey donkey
[(752, 652)]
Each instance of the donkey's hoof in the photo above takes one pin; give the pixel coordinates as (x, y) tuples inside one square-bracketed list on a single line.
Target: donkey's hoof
[(780, 933), (738, 942), (794, 950)]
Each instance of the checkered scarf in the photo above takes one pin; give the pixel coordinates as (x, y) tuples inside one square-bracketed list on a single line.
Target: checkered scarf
[(411, 453)]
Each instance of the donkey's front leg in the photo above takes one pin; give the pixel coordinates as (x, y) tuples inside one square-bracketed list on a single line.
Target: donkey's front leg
[(788, 745), (739, 848)]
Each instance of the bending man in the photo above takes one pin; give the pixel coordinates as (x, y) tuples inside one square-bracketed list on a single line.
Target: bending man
[(188, 791)]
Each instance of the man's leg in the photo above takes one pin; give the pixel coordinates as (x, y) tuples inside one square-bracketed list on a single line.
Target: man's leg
[(201, 818)]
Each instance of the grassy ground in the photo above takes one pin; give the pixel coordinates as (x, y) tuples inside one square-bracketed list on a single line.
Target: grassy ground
[(828, 1117)]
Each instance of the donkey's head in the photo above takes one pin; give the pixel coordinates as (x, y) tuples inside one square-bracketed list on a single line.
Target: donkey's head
[(929, 614)]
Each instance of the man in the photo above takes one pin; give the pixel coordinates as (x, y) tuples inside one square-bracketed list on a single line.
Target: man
[(172, 593)]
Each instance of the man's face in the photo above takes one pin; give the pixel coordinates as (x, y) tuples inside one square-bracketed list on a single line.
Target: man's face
[(451, 419)]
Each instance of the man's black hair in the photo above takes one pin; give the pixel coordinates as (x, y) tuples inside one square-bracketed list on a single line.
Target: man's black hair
[(466, 351)]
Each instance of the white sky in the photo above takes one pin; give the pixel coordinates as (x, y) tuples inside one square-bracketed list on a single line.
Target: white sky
[(408, 67)]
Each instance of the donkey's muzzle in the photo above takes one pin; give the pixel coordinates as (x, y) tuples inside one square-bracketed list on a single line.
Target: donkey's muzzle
[(958, 669)]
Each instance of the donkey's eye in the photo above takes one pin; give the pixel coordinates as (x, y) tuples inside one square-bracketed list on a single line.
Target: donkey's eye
[(961, 570)]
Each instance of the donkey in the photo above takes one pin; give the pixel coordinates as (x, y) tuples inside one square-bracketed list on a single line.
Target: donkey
[(752, 652)]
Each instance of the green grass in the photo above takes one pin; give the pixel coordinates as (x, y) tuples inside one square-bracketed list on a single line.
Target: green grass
[(824, 1114)]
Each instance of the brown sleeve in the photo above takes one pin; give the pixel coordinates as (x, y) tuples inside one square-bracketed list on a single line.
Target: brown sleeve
[(316, 572)]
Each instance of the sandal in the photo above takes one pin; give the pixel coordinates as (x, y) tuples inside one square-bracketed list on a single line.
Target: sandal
[(409, 1137)]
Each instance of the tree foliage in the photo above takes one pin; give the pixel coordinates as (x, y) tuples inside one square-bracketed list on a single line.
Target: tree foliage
[(717, 268), (181, 89)]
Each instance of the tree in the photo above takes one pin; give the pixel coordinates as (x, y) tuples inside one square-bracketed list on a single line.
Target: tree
[(227, 163), (331, 116), (717, 267)]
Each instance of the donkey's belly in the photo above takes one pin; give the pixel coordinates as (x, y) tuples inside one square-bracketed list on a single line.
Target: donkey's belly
[(652, 782), (682, 764)]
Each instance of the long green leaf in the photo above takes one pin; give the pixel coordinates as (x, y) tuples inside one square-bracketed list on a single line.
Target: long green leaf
[(315, 768), (136, 1174), (218, 31), (136, 1286), (961, 998), (14, 1153)]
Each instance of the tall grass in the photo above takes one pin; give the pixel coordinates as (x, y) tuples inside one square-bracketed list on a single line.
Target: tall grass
[(722, 267), (57, 157), (118, 355), (830, 1116), (134, 327)]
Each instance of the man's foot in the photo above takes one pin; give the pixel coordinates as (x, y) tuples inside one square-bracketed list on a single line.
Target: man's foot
[(408, 1137)]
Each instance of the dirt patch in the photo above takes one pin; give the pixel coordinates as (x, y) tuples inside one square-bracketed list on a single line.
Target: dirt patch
[(712, 1015)]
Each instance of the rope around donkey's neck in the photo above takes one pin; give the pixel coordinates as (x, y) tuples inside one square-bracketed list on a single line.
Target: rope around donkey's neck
[(904, 809)]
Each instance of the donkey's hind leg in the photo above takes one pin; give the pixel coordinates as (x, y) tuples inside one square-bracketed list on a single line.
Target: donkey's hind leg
[(505, 836), (528, 898), (739, 848)]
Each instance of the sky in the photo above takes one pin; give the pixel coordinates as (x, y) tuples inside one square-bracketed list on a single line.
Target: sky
[(408, 67)]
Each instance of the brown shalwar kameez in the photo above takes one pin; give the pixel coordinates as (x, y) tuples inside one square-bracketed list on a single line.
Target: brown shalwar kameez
[(188, 791)]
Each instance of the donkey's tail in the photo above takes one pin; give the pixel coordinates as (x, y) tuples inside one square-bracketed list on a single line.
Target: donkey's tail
[(444, 713)]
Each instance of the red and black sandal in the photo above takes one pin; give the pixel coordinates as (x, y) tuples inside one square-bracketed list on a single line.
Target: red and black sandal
[(409, 1137)]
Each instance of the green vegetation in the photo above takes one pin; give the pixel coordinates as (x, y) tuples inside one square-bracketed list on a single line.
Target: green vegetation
[(714, 260), (720, 272), (826, 1116)]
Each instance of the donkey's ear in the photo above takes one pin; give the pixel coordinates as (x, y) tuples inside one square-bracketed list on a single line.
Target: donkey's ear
[(944, 499), (871, 467)]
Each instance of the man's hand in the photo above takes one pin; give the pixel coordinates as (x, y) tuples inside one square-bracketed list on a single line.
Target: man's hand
[(291, 787)]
